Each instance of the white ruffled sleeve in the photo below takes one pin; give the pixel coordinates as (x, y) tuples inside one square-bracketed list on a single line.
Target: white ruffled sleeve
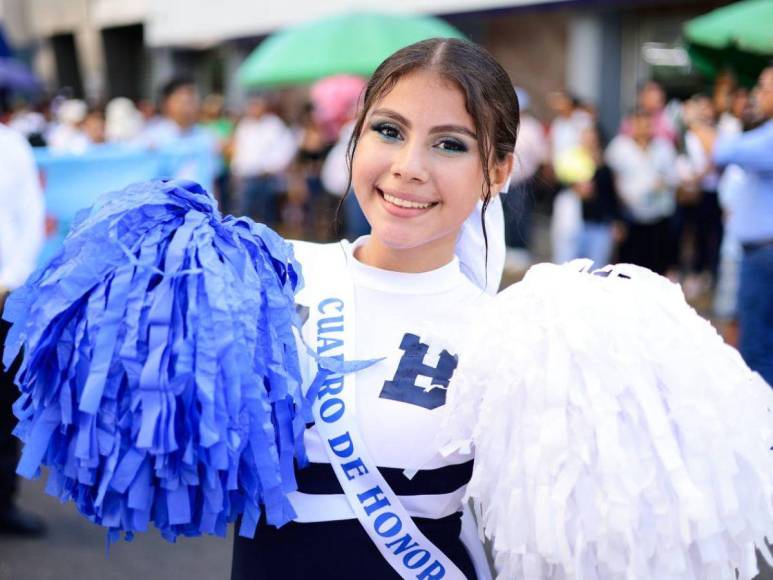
[(616, 435)]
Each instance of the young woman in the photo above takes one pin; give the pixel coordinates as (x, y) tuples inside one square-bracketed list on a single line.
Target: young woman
[(434, 140), (614, 434)]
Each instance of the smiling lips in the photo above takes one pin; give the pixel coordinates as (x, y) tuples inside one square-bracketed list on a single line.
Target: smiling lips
[(405, 203)]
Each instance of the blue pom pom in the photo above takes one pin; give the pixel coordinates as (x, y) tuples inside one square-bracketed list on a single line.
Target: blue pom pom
[(160, 379)]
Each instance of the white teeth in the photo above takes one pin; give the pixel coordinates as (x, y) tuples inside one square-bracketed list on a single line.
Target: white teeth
[(405, 203)]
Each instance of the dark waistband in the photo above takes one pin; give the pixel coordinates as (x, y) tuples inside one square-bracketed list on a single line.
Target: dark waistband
[(319, 478)]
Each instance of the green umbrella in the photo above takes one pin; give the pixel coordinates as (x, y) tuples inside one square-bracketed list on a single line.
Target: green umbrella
[(354, 43), (738, 36)]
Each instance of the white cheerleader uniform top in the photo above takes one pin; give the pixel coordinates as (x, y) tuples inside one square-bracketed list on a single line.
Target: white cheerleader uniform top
[(415, 322)]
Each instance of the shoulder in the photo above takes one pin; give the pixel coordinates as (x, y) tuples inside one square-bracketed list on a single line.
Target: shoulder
[(318, 259)]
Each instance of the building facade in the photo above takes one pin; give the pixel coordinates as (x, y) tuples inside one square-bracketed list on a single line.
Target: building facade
[(597, 50)]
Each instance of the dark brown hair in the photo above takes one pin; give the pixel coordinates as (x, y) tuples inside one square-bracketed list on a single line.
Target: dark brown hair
[(489, 96)]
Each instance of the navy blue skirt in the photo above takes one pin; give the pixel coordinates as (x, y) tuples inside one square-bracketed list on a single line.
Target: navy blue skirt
[(337, 549)]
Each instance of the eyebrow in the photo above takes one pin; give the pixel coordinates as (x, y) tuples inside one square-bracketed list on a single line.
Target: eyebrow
[(436, 129)]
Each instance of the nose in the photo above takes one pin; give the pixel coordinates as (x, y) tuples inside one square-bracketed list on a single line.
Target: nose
[(409, 163)]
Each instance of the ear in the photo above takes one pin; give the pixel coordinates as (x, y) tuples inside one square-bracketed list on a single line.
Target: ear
[(500, 173)]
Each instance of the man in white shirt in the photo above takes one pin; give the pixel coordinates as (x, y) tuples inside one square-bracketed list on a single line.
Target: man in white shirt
[(22, 230), (651, 99), (646, 178), (263, 149)]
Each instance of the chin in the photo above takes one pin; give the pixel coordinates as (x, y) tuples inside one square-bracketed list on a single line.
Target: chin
[(399, 242)]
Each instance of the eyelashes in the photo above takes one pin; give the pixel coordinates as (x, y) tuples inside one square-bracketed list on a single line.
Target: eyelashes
[(390, 133), (452, 145)]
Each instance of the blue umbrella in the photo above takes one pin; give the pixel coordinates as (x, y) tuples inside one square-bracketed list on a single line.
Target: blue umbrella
[(5, 49), (15, 76)]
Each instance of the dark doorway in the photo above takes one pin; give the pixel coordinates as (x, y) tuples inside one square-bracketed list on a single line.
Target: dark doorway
[(125, 61), (68, 72)]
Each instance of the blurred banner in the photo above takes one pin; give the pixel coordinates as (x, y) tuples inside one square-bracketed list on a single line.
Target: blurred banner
[(73, 182)]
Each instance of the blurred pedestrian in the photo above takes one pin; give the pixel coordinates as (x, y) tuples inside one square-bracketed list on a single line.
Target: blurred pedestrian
[(263, 149), (532, 153), (94, 126), (646, 179), (733, 120), (66, 135), (586, 213), (701, 207), (313, 147), (22, 226), (179, 117), (651, 99), (751, 222), (123, 121), (215, 118), (600, 208), (189, 150), (568, 124), (31, 123)]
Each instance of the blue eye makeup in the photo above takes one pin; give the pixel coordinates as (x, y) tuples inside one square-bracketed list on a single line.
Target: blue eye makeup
[(387, 131), (452, 146), (391, 132)]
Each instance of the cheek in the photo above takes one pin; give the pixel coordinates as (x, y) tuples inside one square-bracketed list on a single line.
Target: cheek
[(461, 183), (368, 164)]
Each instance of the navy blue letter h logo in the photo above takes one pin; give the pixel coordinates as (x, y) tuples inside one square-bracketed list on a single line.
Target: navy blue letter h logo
[(416, 382)]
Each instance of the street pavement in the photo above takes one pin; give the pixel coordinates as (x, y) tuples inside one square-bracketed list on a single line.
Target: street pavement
[(74, 549)]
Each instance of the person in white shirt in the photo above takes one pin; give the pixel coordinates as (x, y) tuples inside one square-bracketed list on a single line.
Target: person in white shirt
[(263, 149), (646, 177), (67, 135), (651, 98), (567, 127), (22, 231), (123, 121)]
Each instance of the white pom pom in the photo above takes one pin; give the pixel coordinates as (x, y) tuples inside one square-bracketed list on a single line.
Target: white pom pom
[(615, 434)]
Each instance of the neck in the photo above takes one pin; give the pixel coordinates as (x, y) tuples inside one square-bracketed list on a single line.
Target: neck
[(431, 256)]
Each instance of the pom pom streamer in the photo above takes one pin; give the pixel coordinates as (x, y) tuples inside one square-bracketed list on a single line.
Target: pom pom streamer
[(617, 437), (160, 376)]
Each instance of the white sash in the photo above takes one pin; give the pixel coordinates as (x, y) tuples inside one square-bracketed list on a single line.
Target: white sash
[(331, 323)]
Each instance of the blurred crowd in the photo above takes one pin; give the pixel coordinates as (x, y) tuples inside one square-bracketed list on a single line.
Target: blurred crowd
[(282, 165), (649, 195)]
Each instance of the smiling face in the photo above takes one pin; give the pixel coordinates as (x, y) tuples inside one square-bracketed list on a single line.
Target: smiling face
[(417, 173)]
